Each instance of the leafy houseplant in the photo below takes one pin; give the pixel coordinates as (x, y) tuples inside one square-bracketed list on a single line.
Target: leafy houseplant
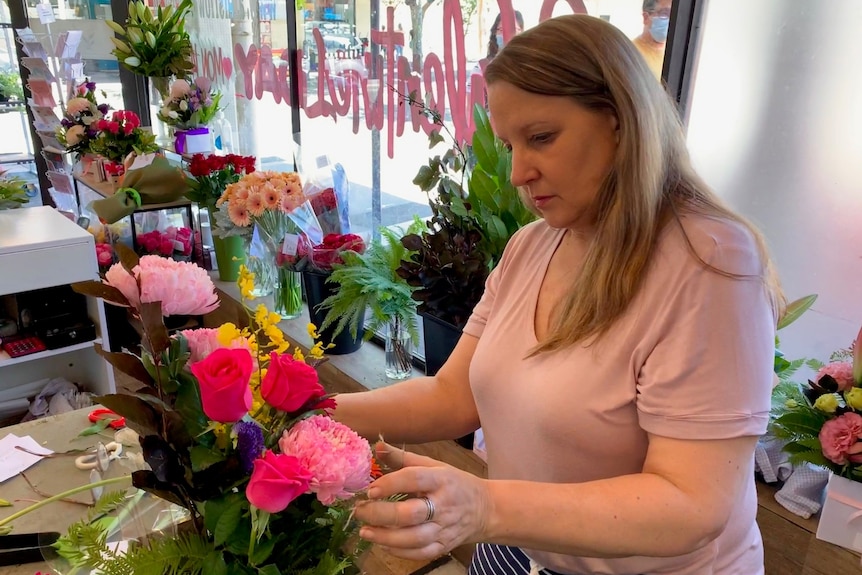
[(468, 230), (13, 192), (370, 281)]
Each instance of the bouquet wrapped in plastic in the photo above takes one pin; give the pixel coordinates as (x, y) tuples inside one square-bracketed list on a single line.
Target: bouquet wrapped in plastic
[(327, 190)]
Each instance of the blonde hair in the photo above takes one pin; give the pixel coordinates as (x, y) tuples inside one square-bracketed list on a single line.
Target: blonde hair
[(651, 183)]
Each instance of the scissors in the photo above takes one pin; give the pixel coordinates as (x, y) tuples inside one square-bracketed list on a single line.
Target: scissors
[(101, 458), (117, 421)]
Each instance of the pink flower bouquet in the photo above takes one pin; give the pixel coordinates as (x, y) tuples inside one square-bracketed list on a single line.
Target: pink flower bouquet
[(171, 242), (822, 420), (236, 428)]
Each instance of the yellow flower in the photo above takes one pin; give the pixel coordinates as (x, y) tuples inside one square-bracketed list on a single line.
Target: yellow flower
[(222, 435), (316, 351), (245, 283), (297, 354), (263, 318), (312, 331), (853, 398), (827, 403), (228, 333)]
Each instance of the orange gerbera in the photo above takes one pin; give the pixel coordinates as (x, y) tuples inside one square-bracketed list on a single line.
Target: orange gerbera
[(239, 215), (255, 204)]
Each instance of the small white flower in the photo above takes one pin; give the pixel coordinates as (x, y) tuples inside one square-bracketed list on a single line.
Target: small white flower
[(173, 115), (184, 105)]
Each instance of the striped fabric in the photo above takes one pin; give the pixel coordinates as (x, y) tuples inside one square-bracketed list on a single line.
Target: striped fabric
[(490, 559)]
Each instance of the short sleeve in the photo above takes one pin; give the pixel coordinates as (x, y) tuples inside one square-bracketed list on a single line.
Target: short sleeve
[(479, 318), (709, 374)]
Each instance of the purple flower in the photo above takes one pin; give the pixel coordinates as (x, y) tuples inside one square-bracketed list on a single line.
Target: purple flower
[(91, 86), (249, 443), (66, 123), (103, 108)]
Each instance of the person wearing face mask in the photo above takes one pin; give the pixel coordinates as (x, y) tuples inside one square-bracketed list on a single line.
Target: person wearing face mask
[(495, 42), (651, 42)]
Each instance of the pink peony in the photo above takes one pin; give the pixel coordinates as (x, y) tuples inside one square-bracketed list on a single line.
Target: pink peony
[(204, 341), (841, 372), (839, 438), (183, 288), (338, 459)]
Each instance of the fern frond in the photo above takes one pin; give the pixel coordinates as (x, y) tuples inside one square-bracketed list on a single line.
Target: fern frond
[(184, 554)]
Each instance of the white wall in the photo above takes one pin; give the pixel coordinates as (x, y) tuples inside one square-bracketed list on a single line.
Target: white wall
[(776, 128)]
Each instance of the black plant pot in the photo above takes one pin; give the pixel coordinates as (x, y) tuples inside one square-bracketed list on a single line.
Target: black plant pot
[(440, 339), (317, 290)]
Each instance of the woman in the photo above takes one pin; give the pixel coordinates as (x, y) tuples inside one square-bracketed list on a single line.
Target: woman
[(495, 40), (620, 361)]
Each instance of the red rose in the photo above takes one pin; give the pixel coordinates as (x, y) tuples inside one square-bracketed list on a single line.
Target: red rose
[(223, 378), (289, 384), (276, 481)]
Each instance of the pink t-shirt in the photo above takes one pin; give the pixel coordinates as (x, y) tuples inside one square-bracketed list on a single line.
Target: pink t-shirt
[(691, 358)]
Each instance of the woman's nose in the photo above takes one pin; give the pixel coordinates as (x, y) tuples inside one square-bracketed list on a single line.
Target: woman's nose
[(523, 172)]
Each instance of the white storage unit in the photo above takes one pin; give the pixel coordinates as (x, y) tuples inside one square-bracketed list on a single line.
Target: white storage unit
[(40, 248)]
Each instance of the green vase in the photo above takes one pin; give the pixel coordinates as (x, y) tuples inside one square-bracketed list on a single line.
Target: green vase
[(230, 254)]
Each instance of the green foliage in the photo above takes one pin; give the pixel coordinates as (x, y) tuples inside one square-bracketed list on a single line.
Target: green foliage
[(371, 281), (155, 45), (468, 230), (795, 309), (13, 192), (10, 86)]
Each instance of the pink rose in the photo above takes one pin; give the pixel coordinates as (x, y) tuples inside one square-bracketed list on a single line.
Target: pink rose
[(839, 438), (166, 247), (840, 371), (276, 481), (223, 378), (289, 384)]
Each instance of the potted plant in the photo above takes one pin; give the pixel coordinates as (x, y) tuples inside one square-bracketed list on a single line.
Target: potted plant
[(465, 236), (370, 281), (189, 109)]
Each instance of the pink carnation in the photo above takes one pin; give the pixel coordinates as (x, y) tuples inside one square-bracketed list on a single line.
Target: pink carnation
[(182, 287), (204, 341), (839, 438), (841, 372), (338, 459), (77, 105)]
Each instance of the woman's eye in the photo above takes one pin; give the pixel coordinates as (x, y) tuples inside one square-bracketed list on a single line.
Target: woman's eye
[(542, 138), (508, 146)]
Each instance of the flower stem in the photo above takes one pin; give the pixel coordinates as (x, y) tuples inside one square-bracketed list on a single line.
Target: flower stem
[(63, 495)]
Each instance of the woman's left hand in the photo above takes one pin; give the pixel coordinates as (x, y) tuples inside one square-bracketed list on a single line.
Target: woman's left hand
[(459, 506)]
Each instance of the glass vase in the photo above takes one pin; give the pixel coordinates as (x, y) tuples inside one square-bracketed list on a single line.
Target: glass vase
[(159, 92), (260, 261), (287, 295), (399, 350)]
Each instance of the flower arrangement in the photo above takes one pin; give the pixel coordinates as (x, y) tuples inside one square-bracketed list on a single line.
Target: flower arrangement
[(190, 105), (156, 46), (13, 191), (235, 428), (212, 175), (822, 421), (104, 256), (120, 136), (78, 126), (260, 205), (324, 256), (172, 242)]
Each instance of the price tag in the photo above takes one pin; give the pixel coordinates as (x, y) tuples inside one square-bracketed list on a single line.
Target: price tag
[(291, 244), (46, 12)]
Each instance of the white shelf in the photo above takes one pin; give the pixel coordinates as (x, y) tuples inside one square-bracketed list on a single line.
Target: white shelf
[(6, 360)]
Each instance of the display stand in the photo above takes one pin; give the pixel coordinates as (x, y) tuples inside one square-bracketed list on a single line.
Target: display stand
[(41, 248)]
